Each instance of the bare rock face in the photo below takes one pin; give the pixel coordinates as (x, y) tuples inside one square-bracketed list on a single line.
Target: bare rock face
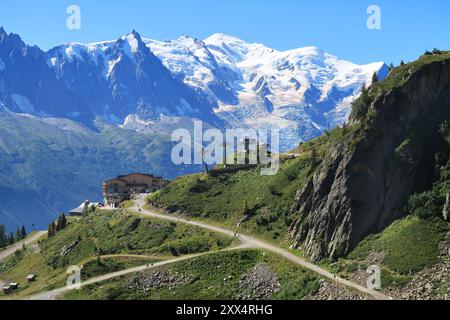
[(363, 184)]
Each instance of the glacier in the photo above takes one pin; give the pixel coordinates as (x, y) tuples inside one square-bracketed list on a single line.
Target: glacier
[(144, 84)]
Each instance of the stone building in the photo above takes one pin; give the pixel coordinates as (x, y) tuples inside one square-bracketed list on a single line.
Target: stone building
[(122, 188)]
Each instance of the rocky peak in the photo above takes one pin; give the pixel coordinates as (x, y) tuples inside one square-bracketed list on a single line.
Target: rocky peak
[(132, 44), (10, 41), (2, 33), (363, 183)]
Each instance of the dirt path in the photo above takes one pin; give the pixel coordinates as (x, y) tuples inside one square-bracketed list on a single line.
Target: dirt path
[(246, 242), (18, 246), (256, 243)]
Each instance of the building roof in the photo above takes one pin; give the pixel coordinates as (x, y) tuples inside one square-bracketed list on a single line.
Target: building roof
[(77, 210), (136, 173), (80, 208), (131, 174)]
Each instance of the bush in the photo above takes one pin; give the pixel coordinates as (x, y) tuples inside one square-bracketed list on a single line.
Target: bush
[(426, 204), (436, 51), (300, 288), (361, 105), (198, 186)]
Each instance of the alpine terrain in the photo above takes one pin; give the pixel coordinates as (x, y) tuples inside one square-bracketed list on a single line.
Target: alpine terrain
[(107, 108)]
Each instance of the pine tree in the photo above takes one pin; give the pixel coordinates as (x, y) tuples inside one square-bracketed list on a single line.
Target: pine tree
[(23, 232), (363, 89), (51, 229), (18, 235), (63, 221), (3, 239), (10, 238), (436, 51), (361, 105), (374, 78), (58, 224), (402, 63)]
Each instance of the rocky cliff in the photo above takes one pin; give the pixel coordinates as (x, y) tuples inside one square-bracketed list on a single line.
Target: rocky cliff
[(363, 182)]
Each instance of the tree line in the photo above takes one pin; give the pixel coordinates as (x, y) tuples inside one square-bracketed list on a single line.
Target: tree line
[(57, 225), (9, 238)]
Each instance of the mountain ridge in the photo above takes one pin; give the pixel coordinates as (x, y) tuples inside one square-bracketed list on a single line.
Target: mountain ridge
[(222, 80)]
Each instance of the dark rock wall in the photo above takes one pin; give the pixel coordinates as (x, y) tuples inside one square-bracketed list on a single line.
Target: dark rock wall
[(361, 187)]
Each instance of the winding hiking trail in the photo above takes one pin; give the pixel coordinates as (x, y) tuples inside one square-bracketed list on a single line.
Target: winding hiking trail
[(246, 242), (18, 246), (256, 243)]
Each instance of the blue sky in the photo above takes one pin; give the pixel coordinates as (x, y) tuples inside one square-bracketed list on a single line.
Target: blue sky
[(409, 27)]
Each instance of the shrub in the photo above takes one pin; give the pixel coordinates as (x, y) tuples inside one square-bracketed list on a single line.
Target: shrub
[(426, 204), (436, 51), (361, 105)]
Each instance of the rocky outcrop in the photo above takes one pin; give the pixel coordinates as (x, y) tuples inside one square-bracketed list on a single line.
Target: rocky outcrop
[(362, 184), (260, 282), (151, 280), (331, 291)]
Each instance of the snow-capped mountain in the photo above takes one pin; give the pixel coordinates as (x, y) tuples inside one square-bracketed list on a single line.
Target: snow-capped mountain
[(302, 91), (109, 80), (85, 112), (149, 85)]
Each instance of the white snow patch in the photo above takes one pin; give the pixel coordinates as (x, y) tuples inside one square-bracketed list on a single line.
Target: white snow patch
[(111, 65)]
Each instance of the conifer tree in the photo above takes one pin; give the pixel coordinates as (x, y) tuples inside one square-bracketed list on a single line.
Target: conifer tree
[(63, 221), (10, 238), (3, 239), (51, 229), (23, 232), (374, 78), (18, 236)]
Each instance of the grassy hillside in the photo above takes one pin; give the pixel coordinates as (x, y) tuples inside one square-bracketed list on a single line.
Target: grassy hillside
[(120, 238), (228, 198), (408, 245), (262, 203), (403, 250), (213, 276)]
